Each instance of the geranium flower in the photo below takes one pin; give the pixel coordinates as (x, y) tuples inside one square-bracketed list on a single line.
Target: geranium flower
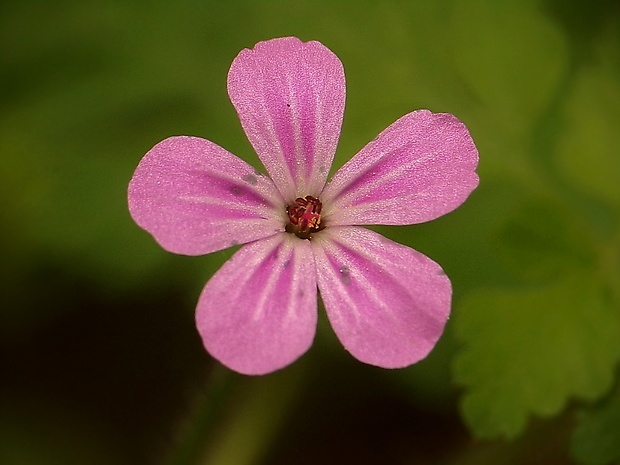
[(387, 303)]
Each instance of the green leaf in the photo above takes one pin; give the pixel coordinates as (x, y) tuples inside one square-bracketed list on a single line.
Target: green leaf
[(596, 440), (528, 351)]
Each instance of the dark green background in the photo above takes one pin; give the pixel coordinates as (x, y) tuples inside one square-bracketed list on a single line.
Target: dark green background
[(101, 362)]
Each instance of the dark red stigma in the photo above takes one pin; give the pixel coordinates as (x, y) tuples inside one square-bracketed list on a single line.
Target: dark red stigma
[(304, 216)]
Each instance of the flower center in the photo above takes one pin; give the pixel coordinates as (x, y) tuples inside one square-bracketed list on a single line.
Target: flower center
[(304, 217)]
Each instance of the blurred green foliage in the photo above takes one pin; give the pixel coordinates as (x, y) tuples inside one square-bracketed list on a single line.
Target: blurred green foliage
[(597, 438), (101, 360), (549, 343)]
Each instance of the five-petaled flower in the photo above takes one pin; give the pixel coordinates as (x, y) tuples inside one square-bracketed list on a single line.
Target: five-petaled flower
[(387, 303)]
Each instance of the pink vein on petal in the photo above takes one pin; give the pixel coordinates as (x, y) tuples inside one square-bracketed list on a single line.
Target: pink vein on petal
[(194, 197), (258, 313), (387, 303), (419, 168), (290, 98)]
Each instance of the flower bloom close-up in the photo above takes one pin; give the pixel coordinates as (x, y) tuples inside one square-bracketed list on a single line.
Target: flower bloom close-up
[(300, 233)]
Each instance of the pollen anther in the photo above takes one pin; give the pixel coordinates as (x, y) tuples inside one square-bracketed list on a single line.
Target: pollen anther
[(304, 216)]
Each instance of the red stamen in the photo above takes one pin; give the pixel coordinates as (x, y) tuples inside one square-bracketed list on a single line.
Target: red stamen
[(304, 216)]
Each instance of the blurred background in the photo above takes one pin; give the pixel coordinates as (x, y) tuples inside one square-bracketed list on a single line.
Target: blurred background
[(100, 361)]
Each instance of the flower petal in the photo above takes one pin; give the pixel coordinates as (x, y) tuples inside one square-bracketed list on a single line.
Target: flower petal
[(419, 168), (194, 197), (387, 303), (258, 313), (290, 98)]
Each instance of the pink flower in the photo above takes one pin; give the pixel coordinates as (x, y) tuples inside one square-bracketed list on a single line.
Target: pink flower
[(387, 303)]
